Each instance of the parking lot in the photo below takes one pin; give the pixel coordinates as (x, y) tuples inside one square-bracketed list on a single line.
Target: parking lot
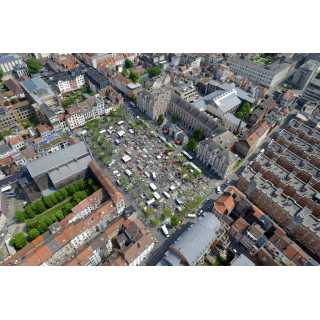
[(156, 178)]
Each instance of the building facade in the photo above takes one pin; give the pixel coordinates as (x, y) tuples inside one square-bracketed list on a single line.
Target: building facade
[(154, 102)]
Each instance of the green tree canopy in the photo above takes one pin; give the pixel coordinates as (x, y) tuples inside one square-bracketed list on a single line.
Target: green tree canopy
[(174, 118), (192, 145), (198, 134), (128, 64), (34, 65), (160, 119), (33, 233), (174, 221), (154, 71), (1, 74), (20, 216), (134, 77), (18, 240)]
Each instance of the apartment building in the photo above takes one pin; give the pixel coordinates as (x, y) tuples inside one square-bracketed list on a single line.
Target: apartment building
[(312, 91), (252, 139), (50, 143), (186, 91), (16, 142), (259, 236), (80, 113), (215, 153), (125, 86), (86, 228), (268, 76), (284, 181), (70, 80), (37, 90), (154, 102), (132, 241), (304, 74), (96, 80), (8, 62), (13, 114), (53, 115)]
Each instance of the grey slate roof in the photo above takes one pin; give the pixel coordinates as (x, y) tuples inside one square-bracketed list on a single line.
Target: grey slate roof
[(70, 169), (242, 260), (57, 159), (194, 242)]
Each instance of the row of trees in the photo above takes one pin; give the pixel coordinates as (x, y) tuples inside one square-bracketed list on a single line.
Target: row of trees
[(40, 224), (35, 208)]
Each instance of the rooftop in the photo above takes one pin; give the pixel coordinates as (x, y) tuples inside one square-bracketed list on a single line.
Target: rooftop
[(56, 162)]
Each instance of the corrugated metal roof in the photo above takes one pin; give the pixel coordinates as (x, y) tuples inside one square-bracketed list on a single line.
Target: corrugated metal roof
[(57, 159), (194, 242)]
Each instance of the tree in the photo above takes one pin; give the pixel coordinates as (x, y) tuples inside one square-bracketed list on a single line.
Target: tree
[(20, 216), (42, 226), (154, 71), (47, 200), (244, 112), (155, 222), (59, 215), (148, 212), (63, 191), (166, 214), (134, 77), (39, 206), (174, 118), (174, 221), (19, 240), (192, 145), (128, 64), (30, 213), (125, 72), (67, 208), (34, 65), (1, 74), (198, 134), (160, 119), (33, 233)]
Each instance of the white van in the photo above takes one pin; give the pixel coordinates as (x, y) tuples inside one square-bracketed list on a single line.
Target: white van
[(165, 231)]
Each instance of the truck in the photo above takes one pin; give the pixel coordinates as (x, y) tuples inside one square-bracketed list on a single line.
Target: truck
[(6, 188), (166, 194), (165, 231), (150, 202), (153, 187)]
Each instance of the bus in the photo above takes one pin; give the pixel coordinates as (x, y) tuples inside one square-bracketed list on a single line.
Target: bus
[(187, 155), (6, 188)]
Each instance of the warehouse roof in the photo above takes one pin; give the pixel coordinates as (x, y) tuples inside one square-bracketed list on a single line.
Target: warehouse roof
[(204, 231), (58, 159)]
